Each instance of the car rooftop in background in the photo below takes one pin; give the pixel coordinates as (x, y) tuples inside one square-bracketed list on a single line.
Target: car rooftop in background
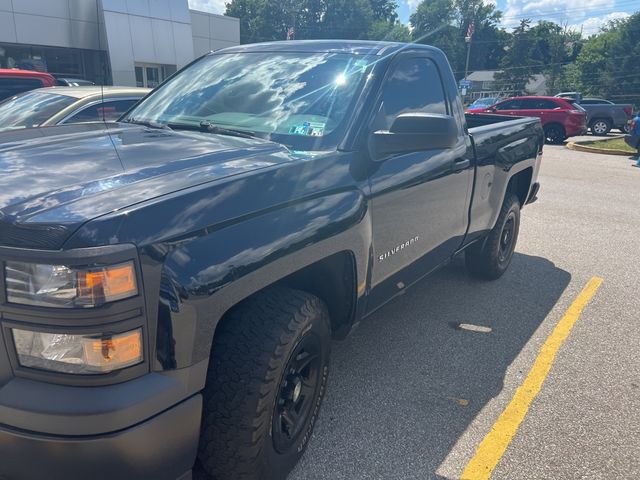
[(13, 80), (58, 105), (485, 102), (72, 82)]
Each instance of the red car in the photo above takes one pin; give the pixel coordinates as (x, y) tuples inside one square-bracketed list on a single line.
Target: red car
[(13, 81), (559, 117)]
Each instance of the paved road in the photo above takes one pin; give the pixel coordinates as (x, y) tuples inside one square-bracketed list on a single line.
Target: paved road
[(411, 396)]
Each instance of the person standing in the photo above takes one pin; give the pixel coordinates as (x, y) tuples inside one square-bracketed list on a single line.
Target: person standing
[(633, 139)]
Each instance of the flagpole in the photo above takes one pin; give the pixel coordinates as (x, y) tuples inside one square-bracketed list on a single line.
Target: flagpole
[(466, 67), (468, 39)]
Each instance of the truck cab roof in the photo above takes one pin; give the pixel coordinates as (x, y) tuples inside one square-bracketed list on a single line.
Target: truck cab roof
[(359, 47)]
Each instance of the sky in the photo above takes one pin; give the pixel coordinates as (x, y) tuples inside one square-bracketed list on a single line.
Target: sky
[(583, 15)]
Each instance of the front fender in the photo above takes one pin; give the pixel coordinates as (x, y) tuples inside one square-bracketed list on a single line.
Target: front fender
[(205, 277)]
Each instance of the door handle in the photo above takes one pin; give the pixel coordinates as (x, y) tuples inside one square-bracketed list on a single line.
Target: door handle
[(460, 165)]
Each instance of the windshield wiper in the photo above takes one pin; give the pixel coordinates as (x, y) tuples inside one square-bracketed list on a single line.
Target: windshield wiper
[(148, 123), (208, 127)]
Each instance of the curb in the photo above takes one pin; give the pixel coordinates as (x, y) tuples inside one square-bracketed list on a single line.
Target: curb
[(583, 147)]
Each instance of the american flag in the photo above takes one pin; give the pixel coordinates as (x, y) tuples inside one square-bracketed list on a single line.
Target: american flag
[(291, 32), (469, 32)]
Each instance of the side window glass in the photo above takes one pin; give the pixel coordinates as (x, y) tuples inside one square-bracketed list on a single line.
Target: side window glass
[(546, 105), (414, 86), (111, 111), (509, 105), (528, 104)]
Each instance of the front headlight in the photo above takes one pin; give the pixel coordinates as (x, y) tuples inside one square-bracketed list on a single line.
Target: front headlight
[(69, 287), (79, 354)]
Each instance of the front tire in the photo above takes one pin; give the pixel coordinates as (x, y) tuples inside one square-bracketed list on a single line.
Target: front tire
[(266, 380), (489, 259)]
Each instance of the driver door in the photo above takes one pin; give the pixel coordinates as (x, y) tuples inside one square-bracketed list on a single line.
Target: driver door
[(420, 200)]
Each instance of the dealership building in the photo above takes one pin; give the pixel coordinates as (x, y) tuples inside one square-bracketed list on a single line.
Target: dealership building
[(119, 42)]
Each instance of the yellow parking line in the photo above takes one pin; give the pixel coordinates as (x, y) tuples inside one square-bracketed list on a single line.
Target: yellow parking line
[(493, 446)]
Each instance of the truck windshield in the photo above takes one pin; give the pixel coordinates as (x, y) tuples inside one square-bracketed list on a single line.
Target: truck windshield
[(298, 99)]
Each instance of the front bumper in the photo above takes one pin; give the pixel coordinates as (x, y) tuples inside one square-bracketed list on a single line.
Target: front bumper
[(163, 447)]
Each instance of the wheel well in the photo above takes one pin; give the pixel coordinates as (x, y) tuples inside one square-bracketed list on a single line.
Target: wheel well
[(520, 184), (333, 280), (554, 124)]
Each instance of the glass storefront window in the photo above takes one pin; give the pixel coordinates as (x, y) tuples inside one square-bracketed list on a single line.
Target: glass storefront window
[(139, 77), (151, 75), (70, 62)]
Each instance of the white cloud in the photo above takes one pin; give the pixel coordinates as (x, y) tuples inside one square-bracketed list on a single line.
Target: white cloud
[(573, 12), (211, 6), (592, 25), (413, 4)]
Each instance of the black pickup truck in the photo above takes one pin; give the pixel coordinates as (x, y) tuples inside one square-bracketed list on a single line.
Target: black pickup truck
[(170, 283)]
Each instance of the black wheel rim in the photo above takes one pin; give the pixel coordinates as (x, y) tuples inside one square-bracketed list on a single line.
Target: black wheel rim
[(297, 393), (507, 238)]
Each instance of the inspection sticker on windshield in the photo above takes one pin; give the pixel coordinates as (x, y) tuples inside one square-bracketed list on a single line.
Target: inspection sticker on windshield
[(313, 129)]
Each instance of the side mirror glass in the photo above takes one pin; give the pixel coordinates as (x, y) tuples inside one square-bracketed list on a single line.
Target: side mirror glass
[(414, 132)]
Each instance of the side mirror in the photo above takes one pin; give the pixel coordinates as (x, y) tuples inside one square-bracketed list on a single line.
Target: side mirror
[(414, 132)]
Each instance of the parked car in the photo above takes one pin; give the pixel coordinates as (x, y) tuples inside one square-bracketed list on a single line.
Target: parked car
[(14, 81), (172, 282), (484, 102), (72, 82), (57, 105), (560, 118), (602, 115)]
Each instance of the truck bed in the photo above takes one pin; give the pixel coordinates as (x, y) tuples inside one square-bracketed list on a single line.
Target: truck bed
[(502, 144), (476, 120), (492, 133)]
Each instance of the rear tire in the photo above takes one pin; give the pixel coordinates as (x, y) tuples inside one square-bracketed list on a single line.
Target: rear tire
[(554, 134), (266, 380), (600, 127), (489, 259)]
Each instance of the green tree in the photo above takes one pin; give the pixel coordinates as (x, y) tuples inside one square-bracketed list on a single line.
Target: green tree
[(349, 19), (433, 24), (264, 20), (444, 23), (390, 32), (384, 10), (516, 64), (608, 64), (553, 48)]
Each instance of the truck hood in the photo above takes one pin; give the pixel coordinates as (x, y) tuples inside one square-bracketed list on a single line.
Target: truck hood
[(53, 179)]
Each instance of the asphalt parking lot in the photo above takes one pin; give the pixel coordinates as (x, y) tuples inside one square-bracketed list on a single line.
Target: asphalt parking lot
[(411, 396)]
